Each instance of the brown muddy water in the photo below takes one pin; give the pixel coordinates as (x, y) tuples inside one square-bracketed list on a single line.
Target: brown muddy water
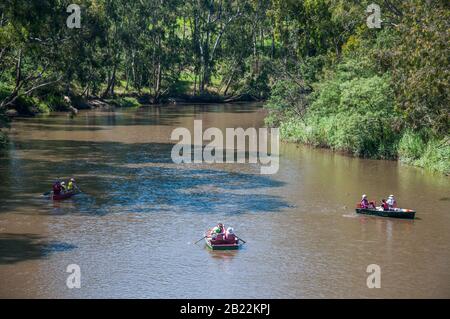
[(132, 230)]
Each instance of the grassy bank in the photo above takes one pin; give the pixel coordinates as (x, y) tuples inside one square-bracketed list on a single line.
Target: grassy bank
[(427, 152), (410, 148), (352, 109)]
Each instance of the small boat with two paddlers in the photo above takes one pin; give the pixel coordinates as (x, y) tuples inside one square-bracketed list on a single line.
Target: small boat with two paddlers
[(62, 191), (386, 209), (217, 238)]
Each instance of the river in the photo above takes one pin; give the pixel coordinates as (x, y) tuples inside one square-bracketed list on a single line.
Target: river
[(132, 231)]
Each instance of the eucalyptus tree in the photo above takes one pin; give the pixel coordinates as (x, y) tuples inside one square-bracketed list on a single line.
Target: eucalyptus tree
[(209, 20), (31, 40)]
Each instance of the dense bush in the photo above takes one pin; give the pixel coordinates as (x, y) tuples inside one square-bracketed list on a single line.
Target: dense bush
[(288, 99), (382, 94), (411, 147), (428, 152), (125, 102), (351, 111)]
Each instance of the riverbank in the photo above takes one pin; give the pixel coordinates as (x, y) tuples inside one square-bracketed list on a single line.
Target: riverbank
[(411, 148), (26, 107)]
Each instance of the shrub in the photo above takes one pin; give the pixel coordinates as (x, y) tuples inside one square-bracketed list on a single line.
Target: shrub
[(411, 147), (125, 102), (433, 154), (436, 156)]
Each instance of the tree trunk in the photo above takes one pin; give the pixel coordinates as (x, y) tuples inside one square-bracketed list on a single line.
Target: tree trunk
[(111, 83), (195, 83), (204, 78), (229, 83), (158, 81), (272, 53)]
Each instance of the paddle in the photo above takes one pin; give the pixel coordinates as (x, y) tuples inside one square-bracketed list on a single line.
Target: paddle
[(240, 239), (47, 193), (200, 239)]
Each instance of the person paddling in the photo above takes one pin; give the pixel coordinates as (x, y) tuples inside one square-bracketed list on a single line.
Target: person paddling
[(364, 202), (63, 186), (72, 185), (57, 188), (384, 205), (218, 230)]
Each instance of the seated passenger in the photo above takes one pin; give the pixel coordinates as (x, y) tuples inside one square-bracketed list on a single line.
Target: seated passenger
[(229, 235), (220, 229), (391, 202), (71, 185), (364, 202), (57, 188), (384, 205)]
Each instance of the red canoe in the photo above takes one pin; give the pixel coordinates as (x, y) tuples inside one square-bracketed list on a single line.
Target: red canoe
[(220, 242), (63, 195)]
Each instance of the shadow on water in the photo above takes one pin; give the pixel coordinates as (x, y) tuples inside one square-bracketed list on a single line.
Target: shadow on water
[(120, 177), (15, 248)]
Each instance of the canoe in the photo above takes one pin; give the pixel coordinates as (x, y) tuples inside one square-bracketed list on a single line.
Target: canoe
[(220, 243), (63, 195), (396, 213)]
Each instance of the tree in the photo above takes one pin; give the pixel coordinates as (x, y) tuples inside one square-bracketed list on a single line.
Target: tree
[(209, 21), (421, 65)]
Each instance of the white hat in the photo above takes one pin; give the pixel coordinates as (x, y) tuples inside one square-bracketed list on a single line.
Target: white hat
[(230, 230), (391, 196), (364, 196)]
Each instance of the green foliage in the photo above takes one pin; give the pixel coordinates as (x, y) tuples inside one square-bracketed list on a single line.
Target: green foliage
[(411, 147), (421, 76), (351, 111), (433, 154), (53, 102), (288, 99), (42, 107), (125, 102), (374, 91), (436, 156)]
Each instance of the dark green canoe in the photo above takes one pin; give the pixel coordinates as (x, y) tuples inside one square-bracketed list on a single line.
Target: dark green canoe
[(397, 213)]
